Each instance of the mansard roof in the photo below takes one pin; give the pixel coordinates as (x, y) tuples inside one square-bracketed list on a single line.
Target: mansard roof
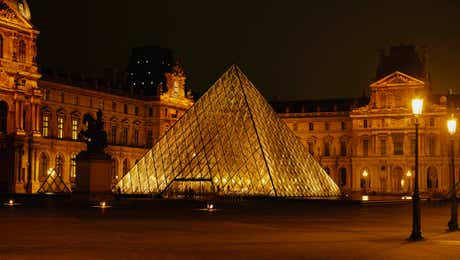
[(319, 105)]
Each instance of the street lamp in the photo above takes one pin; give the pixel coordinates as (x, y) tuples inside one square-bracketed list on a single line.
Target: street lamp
[(451, 128), (416, 235), (364, 183)]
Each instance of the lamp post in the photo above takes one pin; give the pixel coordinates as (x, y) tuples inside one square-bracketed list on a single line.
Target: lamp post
[(451, 128), (416, 235)]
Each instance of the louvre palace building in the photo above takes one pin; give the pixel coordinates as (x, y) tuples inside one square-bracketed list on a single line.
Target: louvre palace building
[(365, 144)]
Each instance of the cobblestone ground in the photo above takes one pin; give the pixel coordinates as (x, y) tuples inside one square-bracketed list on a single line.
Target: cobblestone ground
[(257, 229)]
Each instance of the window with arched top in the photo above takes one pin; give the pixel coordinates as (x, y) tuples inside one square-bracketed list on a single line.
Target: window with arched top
[(343, 177), (22, 51), (73, 168), (3, 116), (43, 165), (125, 166), (59, 168)]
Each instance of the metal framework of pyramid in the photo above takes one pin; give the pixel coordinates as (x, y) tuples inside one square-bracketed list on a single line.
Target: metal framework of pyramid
[(230, 142), (53, 184)]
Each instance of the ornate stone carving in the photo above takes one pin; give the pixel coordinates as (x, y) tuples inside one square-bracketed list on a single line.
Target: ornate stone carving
[(6, 12)]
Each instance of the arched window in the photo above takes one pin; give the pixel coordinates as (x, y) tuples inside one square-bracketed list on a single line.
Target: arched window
[(343, 177), (114, 169), (3, 116), (43, 167), (59, 165), (22, 51), (73, 168), (125, 166)]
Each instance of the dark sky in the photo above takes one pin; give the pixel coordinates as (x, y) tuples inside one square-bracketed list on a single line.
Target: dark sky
[(290, 49)]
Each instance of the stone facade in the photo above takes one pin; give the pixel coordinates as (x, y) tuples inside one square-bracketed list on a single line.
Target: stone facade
[(40, 118), (368, 144)]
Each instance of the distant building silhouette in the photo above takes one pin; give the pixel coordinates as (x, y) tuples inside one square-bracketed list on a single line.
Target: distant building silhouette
[(405, 59), (146, 69)]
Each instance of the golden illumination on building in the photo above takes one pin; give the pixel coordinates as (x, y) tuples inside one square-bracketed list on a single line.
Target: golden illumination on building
[(230, 142)]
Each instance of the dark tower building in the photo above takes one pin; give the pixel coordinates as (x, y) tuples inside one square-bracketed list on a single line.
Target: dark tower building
[(147, 67), (405, 59)]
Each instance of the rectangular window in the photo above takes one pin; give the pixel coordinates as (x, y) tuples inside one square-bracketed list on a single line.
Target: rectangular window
[(45, 94), (326, 126), (399, 145), (114, 106), (327, 149), (136, 111), (61, 97), (311, 148), (136, 137), (75, 100), (383, 147), (150, 112), (365, 123), (365, 147), (343, 148), (74, 129), (113, 133), (311, 127), (45, 125), (60, 127), (431, 145), (149, 138), (125, 108), (343, 126)]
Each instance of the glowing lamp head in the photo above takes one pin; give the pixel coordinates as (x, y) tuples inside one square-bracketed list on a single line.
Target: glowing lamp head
[(452, 125), (103, 204), (365, 173), (11, 202), (417, 106), (210, 206)]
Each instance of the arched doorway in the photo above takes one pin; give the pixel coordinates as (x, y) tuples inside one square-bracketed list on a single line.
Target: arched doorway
[(397, 181), (3, 117), (343, 177), (432, 179)]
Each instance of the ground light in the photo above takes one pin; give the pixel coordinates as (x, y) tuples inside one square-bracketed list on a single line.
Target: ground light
[(102, 205), (11, 203), (210, 207)]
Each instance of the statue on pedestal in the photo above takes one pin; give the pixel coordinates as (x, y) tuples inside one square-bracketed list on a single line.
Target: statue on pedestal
[(95, 135)]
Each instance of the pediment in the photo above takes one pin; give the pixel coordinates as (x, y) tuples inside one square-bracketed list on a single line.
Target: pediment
[(11, 15), (397, 79)]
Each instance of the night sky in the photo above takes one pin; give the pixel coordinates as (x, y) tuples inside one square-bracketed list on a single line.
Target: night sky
[(288, 49)]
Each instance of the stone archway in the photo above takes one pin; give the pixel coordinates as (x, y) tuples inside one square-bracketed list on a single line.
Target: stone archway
[(3, 117), (396, 179)]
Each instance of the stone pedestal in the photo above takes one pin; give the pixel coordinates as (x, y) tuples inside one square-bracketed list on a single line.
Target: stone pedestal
[(94, 177)]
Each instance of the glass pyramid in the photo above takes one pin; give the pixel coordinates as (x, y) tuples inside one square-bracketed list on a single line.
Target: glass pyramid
[(53, 184), (230, 142)]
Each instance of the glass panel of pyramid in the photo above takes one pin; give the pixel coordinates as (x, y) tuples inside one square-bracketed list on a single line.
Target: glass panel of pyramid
[(53, 184), (230, 142)]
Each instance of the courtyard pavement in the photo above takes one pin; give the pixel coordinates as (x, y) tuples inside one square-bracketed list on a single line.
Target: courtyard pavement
[(240, 229)]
